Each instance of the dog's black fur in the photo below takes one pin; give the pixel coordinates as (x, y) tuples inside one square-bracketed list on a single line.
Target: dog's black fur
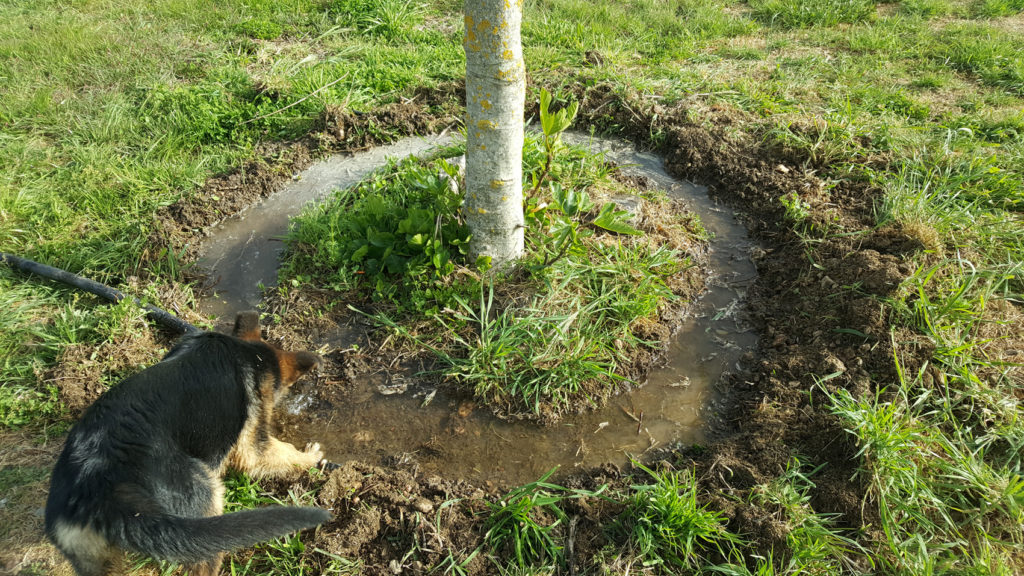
[(142, 469)]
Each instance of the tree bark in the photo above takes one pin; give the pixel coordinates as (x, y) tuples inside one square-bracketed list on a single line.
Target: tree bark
[(495, 97)]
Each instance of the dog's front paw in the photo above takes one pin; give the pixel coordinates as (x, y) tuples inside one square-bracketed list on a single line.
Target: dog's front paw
[(314, 452)]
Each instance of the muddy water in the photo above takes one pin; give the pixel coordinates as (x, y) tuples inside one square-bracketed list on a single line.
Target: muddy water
[(455, 438), (241, 253)]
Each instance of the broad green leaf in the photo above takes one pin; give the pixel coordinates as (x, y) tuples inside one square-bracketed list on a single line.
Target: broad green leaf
[(440, 259), (379, 239), (360, 253), (614, 220), (545, 118)]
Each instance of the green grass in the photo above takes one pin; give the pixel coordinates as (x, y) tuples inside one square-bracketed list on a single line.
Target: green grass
[(927, 8), (806, 13), (947, 502), (42, 321), (995, 56), (667, 527), (560, 32), (396, 241), (997, 8), (942, 447), (527, 524), (387, 18), (108, 114), (26, 347), (816, 545), (566, 342), (110, 110), (17, 476)]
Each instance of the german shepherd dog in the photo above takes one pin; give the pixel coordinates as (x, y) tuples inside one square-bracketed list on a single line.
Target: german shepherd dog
[(142, 469)]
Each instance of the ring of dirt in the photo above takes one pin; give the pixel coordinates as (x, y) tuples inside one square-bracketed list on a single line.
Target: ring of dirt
[(177, 225), (816, 305)]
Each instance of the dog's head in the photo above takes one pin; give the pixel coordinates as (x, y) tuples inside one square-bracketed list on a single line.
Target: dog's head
[(293, 365)]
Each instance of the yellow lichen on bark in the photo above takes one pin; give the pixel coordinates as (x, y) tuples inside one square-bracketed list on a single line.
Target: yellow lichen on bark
[(495, 90)]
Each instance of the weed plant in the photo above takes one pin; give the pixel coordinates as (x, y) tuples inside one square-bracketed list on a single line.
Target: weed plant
[(667, 527), (110, 110), (526, 522), (560, 336), (396, 237)]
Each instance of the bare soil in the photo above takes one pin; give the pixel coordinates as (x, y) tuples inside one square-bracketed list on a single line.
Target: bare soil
[(308, 316), (808, 303), (85, 370), (180, 224), (816, 305), (803, 296)]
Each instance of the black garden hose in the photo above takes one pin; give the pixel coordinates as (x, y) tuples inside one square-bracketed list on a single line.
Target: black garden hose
[(161, 317)]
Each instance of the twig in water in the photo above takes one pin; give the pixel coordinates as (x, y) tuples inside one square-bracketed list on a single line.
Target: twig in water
[(629, 413)]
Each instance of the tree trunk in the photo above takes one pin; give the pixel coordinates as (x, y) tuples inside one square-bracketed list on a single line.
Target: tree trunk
[(495, 96)]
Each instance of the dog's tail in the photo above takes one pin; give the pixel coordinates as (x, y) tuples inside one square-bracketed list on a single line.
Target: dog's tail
[(193, 540)]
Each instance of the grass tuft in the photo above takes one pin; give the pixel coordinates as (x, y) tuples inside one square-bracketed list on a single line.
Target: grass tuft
[(666, 525), (525, 522), (815, 545), (387, 18), (807, 13), (992, 54), (942, 496), (997, 8), (926, 8)]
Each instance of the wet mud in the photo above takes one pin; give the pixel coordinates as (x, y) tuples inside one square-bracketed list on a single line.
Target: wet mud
[(816, 307), (180, 227), (240, 255), (376, 414)]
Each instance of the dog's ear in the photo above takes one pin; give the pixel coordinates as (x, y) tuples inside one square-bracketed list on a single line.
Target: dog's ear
[(295, 364), (247, 326)]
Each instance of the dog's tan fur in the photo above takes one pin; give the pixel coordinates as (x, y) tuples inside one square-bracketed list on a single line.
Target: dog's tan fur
[(95, 463)]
